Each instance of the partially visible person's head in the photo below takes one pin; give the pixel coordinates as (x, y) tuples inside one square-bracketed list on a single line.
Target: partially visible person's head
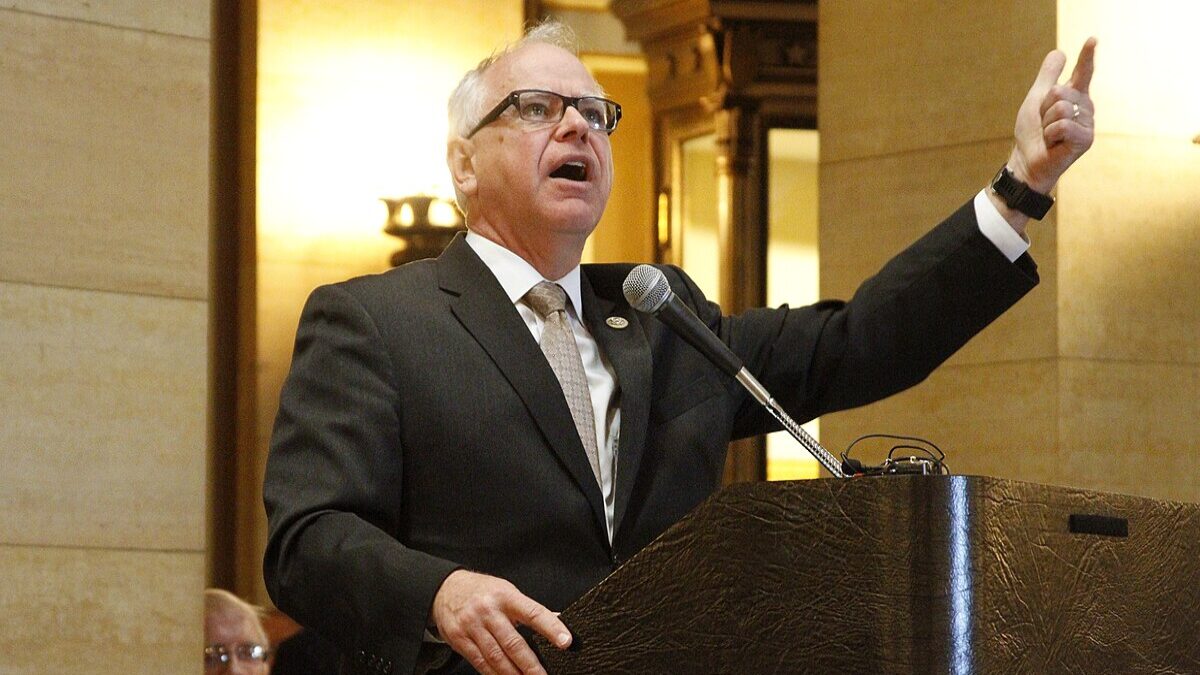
[(234, 639), (521, 178)]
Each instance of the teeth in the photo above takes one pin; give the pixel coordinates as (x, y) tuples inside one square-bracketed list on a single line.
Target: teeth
[(574, 170)]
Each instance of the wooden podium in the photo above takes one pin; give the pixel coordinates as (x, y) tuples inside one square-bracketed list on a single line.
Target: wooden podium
[(901, 574)]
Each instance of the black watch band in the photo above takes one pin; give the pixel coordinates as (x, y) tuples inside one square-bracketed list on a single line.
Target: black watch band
[(1020, 196)]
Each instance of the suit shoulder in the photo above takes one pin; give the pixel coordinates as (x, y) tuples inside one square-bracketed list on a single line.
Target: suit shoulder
[(401, 281)]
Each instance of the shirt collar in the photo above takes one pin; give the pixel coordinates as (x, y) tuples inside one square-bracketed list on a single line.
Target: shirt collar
[(516, 275)]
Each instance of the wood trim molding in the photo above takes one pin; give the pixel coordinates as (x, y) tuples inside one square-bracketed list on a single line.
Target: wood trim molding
[(733, 67), (232, 498)]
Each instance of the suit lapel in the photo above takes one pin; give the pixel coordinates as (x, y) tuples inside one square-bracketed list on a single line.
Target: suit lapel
[(485, 311), (629, 354)]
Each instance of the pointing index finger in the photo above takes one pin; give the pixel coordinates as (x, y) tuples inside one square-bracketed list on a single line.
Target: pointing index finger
[(1081, 77)]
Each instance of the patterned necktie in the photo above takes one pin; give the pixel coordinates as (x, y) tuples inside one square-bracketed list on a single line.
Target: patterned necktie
[(549, 300)]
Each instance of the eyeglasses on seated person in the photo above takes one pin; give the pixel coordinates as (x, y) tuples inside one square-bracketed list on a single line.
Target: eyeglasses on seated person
[(218, 656)]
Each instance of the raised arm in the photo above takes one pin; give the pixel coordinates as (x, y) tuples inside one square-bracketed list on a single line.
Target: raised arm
[(1055, 126)]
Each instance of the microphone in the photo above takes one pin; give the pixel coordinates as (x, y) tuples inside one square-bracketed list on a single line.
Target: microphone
[(647, 290)]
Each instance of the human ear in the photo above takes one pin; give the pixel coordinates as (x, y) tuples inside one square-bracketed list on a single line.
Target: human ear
[(460, 157)]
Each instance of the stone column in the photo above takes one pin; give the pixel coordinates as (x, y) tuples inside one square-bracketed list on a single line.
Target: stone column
[(104, 305), (1093, 380)]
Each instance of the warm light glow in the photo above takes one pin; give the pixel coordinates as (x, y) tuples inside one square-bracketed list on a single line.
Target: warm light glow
[(1146, 60), (793, 270), (442, 213), (405, 217), (700, 195), (664, 219), (352, 106), (365, 124), (791, 468)]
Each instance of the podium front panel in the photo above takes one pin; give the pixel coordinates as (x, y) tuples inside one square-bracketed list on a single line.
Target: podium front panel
[(902, 574)]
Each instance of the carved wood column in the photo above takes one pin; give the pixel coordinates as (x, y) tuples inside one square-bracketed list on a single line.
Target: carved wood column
[(741, 214), (734, 68), (741, 208)]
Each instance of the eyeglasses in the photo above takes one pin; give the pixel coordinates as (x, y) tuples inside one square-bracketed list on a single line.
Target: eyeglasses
[(539, 106), (216, 656)]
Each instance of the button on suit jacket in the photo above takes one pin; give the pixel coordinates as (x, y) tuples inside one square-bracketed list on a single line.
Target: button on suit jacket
[(421, 429)]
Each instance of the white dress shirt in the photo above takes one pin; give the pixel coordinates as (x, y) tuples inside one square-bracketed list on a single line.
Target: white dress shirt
[(996, 228)]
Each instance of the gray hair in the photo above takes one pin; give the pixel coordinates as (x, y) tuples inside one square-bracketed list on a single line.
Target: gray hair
[(468, 101), (220, 602)]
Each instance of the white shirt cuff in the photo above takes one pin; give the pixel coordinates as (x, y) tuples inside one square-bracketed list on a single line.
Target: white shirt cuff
[(997, 230)]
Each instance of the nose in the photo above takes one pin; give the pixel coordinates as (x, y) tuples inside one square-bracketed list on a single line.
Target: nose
[(572, 124)]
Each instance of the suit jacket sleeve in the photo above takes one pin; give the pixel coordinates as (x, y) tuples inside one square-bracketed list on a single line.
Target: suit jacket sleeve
[(332, 491), (902, 323)]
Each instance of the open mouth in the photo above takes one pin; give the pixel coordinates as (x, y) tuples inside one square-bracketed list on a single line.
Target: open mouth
[(576, 171)]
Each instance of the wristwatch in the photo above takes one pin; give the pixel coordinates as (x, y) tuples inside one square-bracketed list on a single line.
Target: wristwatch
[(1020, 196)]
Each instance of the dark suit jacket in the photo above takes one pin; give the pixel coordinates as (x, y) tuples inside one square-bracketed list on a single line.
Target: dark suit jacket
[(421, 429)]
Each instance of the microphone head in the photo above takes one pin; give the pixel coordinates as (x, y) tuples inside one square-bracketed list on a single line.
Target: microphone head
[(646, 288)]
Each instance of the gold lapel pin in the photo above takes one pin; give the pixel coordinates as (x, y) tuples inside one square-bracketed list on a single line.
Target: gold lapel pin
[(617, 322)]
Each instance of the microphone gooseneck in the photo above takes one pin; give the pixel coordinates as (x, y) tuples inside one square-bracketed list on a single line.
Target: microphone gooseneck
[(647, 290)]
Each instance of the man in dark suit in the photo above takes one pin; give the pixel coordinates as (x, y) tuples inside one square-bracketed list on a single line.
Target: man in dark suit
[(441, 472)]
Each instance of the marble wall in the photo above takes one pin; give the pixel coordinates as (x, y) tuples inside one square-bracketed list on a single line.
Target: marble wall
[(1093, 379), (103, 334)]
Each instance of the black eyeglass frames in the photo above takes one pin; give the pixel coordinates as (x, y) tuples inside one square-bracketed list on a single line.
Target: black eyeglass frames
[(540, 106)]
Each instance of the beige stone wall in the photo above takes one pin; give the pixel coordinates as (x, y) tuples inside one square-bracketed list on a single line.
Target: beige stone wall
[(1092, 380), (103, 334)]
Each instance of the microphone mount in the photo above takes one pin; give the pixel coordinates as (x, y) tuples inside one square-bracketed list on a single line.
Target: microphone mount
[(923, 458)]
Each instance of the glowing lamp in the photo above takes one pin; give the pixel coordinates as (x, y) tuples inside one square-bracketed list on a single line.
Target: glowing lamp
[(424, 224)]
